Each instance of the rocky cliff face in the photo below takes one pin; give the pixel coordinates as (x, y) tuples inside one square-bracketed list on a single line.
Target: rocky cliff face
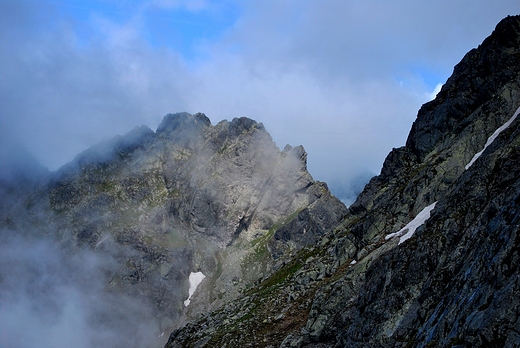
[(190, 197), (427, 255)]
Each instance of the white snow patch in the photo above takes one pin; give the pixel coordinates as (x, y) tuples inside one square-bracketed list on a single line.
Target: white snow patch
[(195, 279), (493, 137), (407, 231)]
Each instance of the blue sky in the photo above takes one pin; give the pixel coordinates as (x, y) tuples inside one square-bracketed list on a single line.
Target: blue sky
[(343, 78), (178, 25)]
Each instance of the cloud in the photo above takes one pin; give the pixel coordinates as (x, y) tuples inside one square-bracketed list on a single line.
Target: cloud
[(53, 297), (433, 94), (345, 79), (58, 97), (190, 5)]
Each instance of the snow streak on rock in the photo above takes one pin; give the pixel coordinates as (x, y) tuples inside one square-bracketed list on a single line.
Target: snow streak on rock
[(195, 280), (407, 231), (493, 137)]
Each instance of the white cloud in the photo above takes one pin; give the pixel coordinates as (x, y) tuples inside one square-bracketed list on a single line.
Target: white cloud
[(433, 94), (59, 299), (324, 75), (190, 5)]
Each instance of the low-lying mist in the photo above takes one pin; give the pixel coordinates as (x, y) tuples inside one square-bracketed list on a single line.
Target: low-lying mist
[(53, 297)]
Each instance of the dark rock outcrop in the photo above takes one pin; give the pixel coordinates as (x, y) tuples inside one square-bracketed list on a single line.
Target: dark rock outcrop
[(483, 73)]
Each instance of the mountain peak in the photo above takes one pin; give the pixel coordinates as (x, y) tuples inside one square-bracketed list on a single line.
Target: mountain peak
[(476, 80), (190, 197), (182, 122)]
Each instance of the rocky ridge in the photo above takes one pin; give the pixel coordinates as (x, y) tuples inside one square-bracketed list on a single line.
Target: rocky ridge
[(455, 281), (190, 197)]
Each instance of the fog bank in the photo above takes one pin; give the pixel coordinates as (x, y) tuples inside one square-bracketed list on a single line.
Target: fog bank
[(52, 297)]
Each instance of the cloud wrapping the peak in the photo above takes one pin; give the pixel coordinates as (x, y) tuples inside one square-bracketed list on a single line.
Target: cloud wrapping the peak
[(343, 78)]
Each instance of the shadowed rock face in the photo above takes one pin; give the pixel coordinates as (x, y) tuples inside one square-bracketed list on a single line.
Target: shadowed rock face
[(455, 281), (483, 72), (189, 197)]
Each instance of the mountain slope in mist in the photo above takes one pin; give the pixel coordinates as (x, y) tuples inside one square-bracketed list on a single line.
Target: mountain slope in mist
[(427, 255), (150, 209)]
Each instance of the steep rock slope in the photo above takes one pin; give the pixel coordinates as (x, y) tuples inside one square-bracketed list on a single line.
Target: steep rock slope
[(190, 197), (370, 282)]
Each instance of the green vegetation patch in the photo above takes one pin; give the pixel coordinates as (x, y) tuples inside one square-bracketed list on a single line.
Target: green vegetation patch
[(280, 277)]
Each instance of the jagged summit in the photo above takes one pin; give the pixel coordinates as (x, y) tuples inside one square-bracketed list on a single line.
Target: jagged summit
[(191, 197), (182, 125), (182, 128)]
